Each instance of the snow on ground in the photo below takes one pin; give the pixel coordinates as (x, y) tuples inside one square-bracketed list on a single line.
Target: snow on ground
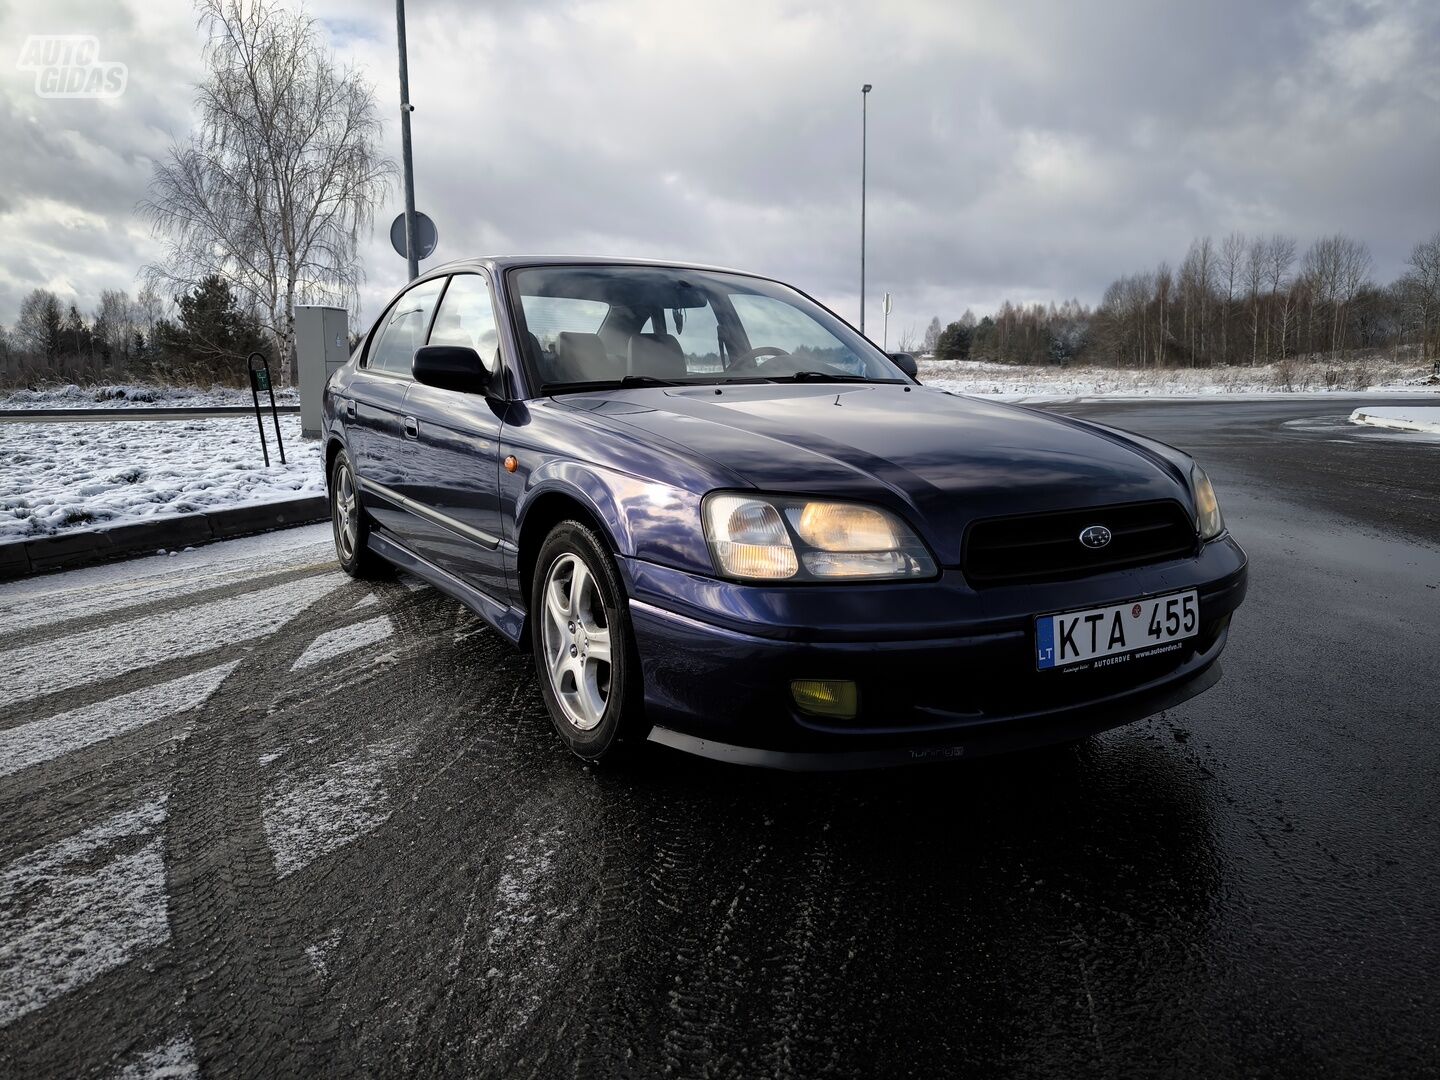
[(346, 639), (1018, 382), (174, 1060), (310, 815), (79, 907), (57, 477), (137, 396), (1420, 418)]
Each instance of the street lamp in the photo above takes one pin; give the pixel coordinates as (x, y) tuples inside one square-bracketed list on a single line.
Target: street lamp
[(864, 98)]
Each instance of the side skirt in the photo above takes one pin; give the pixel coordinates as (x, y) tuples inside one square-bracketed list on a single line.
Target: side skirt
[(506, 620)]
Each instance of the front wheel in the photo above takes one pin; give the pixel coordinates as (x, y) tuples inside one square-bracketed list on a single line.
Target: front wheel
[(584, 647), (348, 522)]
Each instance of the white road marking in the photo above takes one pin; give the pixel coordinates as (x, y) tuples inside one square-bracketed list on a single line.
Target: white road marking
[(92, 655), (30, 744), (346, 639), (67, 917)]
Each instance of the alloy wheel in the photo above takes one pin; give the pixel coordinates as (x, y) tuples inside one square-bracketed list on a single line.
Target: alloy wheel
[(577, 642), (345, 513)]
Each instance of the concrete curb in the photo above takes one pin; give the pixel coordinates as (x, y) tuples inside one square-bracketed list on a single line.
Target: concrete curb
[(1371, 417), (21, 558), (172, 412)]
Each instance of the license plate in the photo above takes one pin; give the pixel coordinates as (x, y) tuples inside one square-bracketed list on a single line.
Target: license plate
[(1135, 629)]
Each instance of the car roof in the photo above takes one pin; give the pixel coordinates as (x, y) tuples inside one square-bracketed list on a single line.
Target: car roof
[(501, 263)]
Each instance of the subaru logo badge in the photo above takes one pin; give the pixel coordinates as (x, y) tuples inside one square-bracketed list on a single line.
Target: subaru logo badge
[(1095, 536)]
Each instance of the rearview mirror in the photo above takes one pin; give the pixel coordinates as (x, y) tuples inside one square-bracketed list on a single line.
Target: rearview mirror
[(450, 367), (906, 363)]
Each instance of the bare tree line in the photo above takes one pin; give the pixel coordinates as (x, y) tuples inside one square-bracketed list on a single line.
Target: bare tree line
[(1249, 300), (1243, 300)]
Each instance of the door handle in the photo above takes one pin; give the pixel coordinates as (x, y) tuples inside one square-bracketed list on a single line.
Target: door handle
[(412, 428), (350, 408)]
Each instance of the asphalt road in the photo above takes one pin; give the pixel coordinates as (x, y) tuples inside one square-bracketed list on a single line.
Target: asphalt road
[(257, 819)]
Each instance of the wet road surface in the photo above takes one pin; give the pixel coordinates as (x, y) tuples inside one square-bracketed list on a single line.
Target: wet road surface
[(258, 819)]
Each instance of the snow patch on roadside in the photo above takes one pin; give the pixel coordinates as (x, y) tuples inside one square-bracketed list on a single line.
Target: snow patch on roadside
[(1020, 382), (40, 740), (346, 639), (1424, 419), (68, 914), (58, 477)]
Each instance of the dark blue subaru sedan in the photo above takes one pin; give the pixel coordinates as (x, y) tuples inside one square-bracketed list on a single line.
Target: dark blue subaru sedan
[(726, 522)]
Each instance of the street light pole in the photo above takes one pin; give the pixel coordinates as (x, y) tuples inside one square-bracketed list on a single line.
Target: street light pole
[(411, 259), (864, 123)]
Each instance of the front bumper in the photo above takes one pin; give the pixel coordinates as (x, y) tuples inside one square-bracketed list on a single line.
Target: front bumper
[(943, 670)]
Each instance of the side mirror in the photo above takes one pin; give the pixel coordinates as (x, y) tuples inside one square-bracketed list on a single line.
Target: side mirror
[(906, 363), (451, 367)]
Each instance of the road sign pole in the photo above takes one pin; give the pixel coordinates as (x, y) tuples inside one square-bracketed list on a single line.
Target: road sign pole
[(412, 260)]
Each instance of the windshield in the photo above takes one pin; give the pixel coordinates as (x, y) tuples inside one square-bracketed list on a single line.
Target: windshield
[(584, 326)]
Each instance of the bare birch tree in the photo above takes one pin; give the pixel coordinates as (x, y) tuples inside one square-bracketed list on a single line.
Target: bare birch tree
[(1279, 258), (274, 190), (1232, 257), (1254, 280)]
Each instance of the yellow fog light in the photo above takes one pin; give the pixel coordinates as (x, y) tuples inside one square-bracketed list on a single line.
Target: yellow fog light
[(826, 697)]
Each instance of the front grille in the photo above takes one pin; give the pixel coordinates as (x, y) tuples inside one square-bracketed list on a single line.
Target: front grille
[(1046, 547)]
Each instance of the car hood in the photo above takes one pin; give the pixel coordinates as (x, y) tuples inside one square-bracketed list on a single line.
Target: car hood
[(941, 459)]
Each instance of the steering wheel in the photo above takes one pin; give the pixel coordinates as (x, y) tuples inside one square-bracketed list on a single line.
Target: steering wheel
[(747, 361)]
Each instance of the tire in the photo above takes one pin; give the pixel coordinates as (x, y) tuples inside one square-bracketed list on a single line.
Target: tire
[(348, 523), (594, 703)]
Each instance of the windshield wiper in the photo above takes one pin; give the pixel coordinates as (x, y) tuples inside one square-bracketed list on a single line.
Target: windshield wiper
[(822, 376), (606, 384)]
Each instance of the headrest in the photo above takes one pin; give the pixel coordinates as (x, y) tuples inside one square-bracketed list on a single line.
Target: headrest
[(582, 358), (657, 355)]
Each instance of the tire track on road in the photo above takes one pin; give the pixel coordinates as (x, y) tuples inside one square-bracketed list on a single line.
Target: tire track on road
[(252, 1001)]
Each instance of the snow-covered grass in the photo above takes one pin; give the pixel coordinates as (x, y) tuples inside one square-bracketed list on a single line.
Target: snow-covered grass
[(137, 396), (1021, 382), (57, 476), (1420, 418)]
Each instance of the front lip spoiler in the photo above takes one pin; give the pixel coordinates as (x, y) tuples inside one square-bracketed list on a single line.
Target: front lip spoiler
[(1000, 738)]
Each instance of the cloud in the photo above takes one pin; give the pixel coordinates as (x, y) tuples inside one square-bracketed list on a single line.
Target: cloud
[(1016, 148)]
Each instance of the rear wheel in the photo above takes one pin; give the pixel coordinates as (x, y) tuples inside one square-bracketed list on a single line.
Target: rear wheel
[(349, 524), (584, 647)]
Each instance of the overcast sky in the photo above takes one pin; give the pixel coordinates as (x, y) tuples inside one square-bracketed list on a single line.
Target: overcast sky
[(1018, 148)]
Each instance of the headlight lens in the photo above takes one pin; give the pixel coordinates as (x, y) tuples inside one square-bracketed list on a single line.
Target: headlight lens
[(1207, 516), (749, 538)]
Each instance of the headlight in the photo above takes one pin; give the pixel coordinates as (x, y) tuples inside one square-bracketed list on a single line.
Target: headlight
[(774, 539), (1207, 509)]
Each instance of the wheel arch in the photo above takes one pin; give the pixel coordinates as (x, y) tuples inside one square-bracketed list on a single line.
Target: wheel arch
[(543, 511), (332, 451)]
